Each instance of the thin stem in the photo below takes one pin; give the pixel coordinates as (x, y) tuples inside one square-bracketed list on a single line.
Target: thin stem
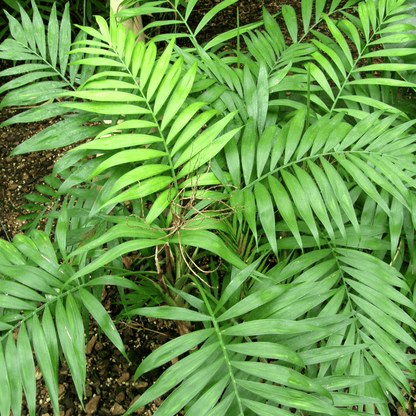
[(308, 97), (5, 232), (238, 38), (221, 342)]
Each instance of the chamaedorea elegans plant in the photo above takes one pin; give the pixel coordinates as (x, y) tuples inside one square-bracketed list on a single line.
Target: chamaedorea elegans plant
[(302, 189)]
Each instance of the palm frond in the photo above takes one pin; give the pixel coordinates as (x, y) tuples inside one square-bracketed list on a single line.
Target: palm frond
[(30, 41)]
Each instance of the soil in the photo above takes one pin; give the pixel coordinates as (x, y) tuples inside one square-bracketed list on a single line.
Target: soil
[(110, 386)]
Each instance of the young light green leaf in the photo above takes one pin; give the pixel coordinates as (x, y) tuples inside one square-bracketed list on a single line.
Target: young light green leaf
[(167, 86), (274, 30), (193, 128), (209, 241), (190, 388), (127, 156), (129, 47), (262, 409), (321, 79), (328, 196), (49, 371), (16, 29), (27, 367), (28, 29), (269, 350), (250, 92), (306, 9), (266, 214), (248, 149), (264, 147), (327, 67), (383, 320), (285, 207), (20, 291), (315, 199), (64, 39), (105, 108), (332, 55), (169, 312), (138, 174), (104, 29), (364, 20), (137, 58), (51, 340), (66, 337), (289, 397), (110, 255), (13, 370), (128, 125), (174, 375), (262, 97), (53, 36), (362, 180), (189, 7), (236, 283), (289, 15), (182, 119), (39, 30), (179, 95), (206, 140), (339, 38), (147, 64), (282, 376), (295, 133), (11, 302), (162, 202), (341, 192), (352, 31), (172, 349), (208, 154), (253, 301), (249, 210), (5, 397), (142, 189), (159, 70), (207, 17)]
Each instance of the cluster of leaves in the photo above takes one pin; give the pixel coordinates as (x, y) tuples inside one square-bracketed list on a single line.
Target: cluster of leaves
[(292, 164), (82, 11)]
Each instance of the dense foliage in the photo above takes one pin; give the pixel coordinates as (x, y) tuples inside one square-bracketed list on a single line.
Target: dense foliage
[(82, 11), (269, 193)]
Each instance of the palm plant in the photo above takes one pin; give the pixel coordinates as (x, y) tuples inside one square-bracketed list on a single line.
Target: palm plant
[(302, 154), (82, 11)]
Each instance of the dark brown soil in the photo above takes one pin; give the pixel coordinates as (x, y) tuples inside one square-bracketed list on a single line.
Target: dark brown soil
[(110, 386)]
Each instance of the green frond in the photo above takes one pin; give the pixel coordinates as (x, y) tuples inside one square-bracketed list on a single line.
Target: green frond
[(26, 273)]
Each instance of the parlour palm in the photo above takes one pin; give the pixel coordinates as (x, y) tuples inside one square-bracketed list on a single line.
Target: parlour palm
[(298, 192)]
